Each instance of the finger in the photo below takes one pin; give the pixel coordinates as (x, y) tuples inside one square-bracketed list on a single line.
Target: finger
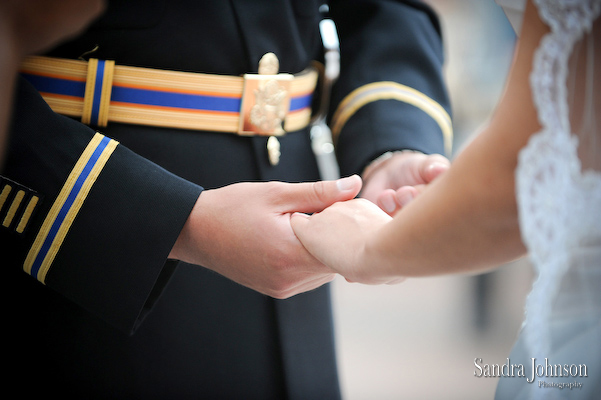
[(300, 226), (315, 196), (306, 234), (387, 201), (406, 194), (432, 167), (393, 201)]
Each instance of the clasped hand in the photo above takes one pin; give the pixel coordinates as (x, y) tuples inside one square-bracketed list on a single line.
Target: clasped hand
[(249, 232), (242, 231), (344, 236), (340, 237)]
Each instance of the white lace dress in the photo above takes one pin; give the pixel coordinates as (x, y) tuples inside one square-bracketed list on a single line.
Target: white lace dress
[(558, 186)]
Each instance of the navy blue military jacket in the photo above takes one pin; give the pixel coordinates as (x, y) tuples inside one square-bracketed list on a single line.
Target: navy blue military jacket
[(103, 206)]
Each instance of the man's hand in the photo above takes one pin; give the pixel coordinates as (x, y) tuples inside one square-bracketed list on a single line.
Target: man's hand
[(243, 232), (393, 182)]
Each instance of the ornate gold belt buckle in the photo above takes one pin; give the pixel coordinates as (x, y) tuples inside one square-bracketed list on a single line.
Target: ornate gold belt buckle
[(265, 99)]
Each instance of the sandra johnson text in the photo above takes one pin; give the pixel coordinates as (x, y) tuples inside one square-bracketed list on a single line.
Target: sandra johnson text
[(547, 370)]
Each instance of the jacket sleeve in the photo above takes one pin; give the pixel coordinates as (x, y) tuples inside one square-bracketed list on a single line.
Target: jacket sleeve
[(390, 94), (85, 216)]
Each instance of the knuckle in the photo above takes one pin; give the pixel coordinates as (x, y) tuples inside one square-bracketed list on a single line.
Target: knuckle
[(273, 188), (361, 202), (319, 190), (437, 159)]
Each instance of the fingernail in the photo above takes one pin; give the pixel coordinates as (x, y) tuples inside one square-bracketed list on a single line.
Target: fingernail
[(437, 167), (388, 204), (345, 184)]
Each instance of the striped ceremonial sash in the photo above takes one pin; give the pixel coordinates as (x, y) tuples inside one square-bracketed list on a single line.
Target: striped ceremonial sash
[(100, 92)]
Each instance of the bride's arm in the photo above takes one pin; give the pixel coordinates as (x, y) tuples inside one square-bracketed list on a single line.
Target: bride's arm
[(466, 221)]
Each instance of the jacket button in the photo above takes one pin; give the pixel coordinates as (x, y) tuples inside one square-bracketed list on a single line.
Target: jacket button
[(273, 150)]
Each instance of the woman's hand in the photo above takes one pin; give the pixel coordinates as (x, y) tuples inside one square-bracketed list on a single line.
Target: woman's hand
[(340, 236)]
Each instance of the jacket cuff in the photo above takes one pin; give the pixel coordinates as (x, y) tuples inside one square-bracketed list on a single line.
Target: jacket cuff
[(115, 250), (367, 128)]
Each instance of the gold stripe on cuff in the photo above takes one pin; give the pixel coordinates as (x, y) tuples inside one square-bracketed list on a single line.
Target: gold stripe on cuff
[(392, 91)]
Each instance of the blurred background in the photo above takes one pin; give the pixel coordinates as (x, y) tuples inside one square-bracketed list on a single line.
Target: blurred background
[(419, 339)]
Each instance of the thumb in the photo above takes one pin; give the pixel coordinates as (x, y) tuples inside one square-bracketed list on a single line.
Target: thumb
[(299, 223), (304, 231), (315, 196)]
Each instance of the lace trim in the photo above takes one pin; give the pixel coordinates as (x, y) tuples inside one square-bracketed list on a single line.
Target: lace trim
[(549, 171), (568, 20)]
